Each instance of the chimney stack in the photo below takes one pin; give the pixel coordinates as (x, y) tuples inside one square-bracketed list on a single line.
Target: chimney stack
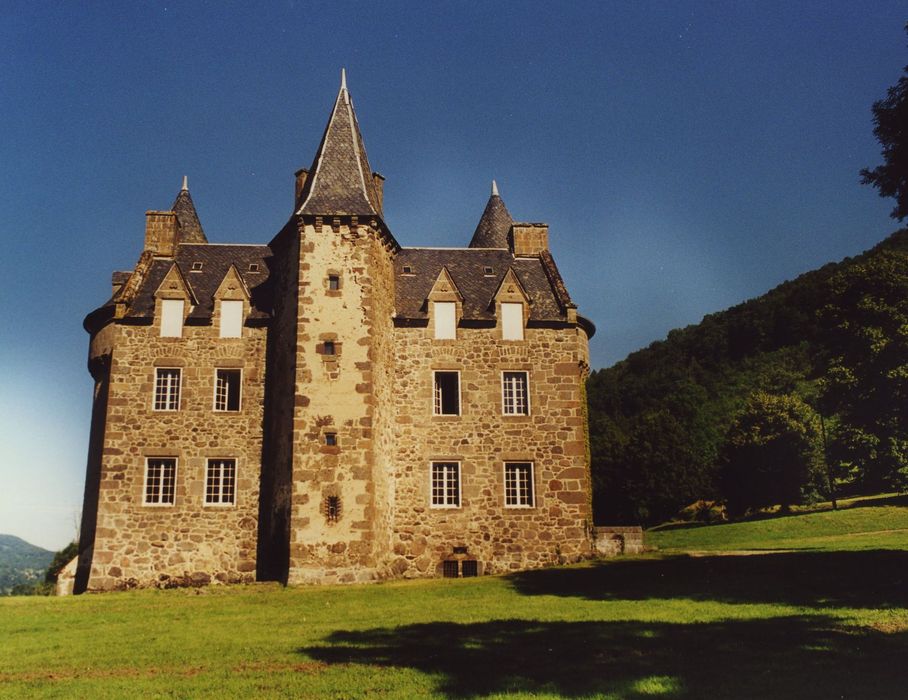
[(379, 183), (161, 232), (301, 176)]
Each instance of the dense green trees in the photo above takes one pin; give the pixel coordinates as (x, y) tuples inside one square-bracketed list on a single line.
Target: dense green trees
[(835, 337), (772, 455)]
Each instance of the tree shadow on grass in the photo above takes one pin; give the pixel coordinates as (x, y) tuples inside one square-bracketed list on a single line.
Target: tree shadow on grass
[(858, 579), (787, 657)]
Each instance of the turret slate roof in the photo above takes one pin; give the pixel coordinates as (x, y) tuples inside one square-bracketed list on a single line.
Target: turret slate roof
[(493, 227)]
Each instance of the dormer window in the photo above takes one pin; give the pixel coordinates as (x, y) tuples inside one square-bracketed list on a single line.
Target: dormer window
[(231, 319), (511, 321), (253, 267), (407, 270), (172, 318), (488, 271), (444, 315), (196, 267)]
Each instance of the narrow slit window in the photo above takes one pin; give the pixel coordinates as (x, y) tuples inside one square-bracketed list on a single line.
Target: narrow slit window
[(444, 314), (512, 321), (334, 282), (220, 482), (231, 319), (445, 485), (446, 393), (172, 318), (331, 439), (515, 395), (166, 389), (332, 508), (227, 389), (160, 481), (328, 347), (518, 484)]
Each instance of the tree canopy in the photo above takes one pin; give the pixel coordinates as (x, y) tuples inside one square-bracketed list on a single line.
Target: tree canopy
[(890, 119)]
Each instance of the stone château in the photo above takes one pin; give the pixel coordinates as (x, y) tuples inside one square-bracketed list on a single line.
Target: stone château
[(332, 406)]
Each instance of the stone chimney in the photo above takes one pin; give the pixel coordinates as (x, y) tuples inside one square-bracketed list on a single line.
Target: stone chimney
[(529, 240), (379, 182), (301, 176), (161, 232)]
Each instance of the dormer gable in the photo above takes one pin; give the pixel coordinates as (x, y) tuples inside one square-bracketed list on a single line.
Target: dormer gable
[(511, 303), (173, 299), (445, 304), (231, 304)]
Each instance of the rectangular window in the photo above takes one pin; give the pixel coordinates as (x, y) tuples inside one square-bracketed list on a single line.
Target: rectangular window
[(160, 478), (220, 482), (518, 484), (172, 318), (445, 485), (231, 319), (334, 282), (511, 321), (515, 394), (444, 314), (446, 393), (167, 389), (227, 385)]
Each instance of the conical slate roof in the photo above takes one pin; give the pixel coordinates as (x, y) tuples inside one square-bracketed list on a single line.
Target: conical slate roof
[(190, 226), (493, 227), (340, 180)]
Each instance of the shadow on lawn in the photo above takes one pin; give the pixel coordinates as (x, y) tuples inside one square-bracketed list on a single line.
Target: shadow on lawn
[(859, 579), (787, 657)]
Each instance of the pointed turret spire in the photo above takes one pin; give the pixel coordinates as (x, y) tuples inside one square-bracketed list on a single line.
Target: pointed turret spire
[(190, 226), (341, 180), (493, 227)]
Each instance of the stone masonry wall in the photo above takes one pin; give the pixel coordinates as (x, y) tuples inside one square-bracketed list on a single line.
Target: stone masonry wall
[(552, 437), (137, 544), (333, 514)]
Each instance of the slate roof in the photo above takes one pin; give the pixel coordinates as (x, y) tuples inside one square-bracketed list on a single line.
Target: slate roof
[(216, 260), (190, 226), (467, 267), (494, 224), (340, 179)]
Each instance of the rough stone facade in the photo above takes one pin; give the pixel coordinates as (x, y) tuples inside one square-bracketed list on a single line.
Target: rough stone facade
[(379, 411)]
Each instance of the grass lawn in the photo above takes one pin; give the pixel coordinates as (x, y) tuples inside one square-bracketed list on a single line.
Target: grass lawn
[(826, 621)]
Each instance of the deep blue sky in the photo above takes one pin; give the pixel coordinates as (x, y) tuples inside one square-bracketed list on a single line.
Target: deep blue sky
[(687, 156)]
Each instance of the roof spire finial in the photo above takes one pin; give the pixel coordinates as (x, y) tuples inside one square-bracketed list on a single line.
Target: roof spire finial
[(494, 188), (343, 78), (185, 183)]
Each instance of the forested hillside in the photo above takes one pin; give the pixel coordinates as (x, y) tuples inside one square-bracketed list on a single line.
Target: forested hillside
[(836, 338), (21, 563)]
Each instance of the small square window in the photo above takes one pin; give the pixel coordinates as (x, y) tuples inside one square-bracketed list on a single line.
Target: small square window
[(334, 282), (331, 439), (220, 482), (407, 270), (253, 267), (227, 389), (328, 347), (446, 393), (166, 389), (196, 267), (488, 271), (518, 484), (445, 485), (160, 481)]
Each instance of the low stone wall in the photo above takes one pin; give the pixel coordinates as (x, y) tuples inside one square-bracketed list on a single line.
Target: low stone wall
[(614, 541)]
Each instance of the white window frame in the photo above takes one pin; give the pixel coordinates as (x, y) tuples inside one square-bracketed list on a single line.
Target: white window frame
[(509, 409), (167, 393), (217, 387), (159, 488), (445, 496), (232, 317), (220, 502), (512, 325), (444, 320), (523, 498), (436, 404), (172, 316)]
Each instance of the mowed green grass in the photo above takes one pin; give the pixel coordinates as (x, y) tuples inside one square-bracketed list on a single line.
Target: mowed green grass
[(824, 622)]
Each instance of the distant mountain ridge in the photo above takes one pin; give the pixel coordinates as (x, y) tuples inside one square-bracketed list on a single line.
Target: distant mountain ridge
[(21, 562), (658, 417)]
